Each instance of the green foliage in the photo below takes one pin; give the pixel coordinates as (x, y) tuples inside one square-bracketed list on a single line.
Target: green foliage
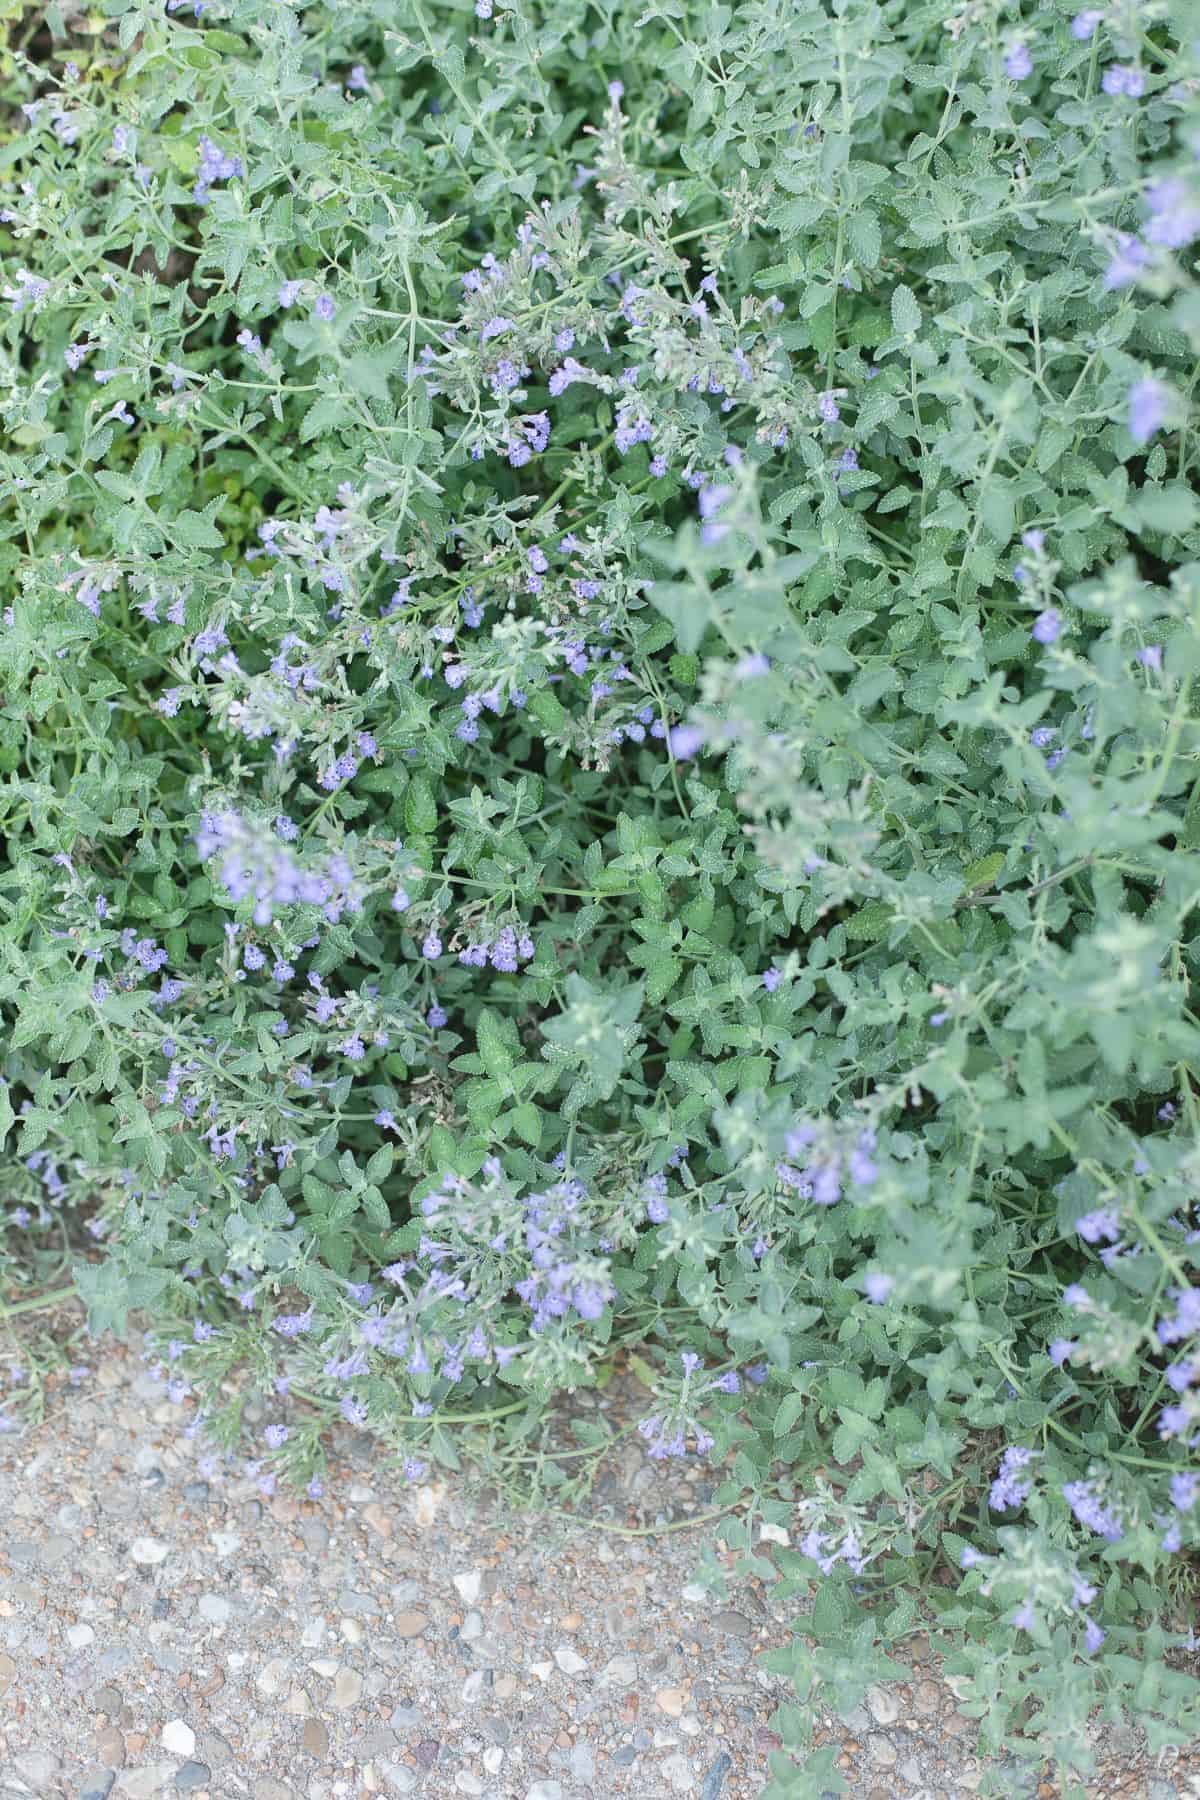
[(598, 748)]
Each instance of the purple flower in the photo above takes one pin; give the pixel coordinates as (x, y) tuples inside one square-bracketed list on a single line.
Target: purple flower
[(1185, 1487), (771, 979), (1047, 626), (1149, 402), (1018, 64), (324, 307), (685, 740), (431, 949), (1102, 1223), (1088, 1508), (1129, 259), (1093, 1636), (1174, 214), (877, 1286), (276, 1436), (1009, 1489), (1118, 78), (1084, 24), (1061, 1350)]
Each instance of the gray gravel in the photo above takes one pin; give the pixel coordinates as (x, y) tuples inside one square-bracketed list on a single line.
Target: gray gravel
[(166, 1631)]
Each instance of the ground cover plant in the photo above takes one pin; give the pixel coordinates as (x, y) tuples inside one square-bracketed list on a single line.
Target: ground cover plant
[(599, 750)]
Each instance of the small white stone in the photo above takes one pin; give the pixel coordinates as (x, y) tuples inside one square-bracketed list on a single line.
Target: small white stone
[(472, 1687), (678, 1772), (225, 1543), (347, 1689), (271, 1677), (689, 1724), (619, 1671), (469, 1585), (694, 1594), (213, 1608), (542, 1670), (80, 1636), (772, 1534), (351, 1630), (883, 1705), (466, 1783), (545, 1790), (178, 1737), (147, 1551), (312, 1634), (493, 1759), (327, 1666), (569, 1661)]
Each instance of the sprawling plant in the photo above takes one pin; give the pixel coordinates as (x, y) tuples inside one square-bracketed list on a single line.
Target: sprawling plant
[(600, 624)]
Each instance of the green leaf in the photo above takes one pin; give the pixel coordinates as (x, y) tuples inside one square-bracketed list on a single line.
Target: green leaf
[(906, 314), (420, 807)]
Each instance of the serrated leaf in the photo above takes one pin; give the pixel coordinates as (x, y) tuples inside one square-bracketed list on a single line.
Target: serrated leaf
[(906, 314)]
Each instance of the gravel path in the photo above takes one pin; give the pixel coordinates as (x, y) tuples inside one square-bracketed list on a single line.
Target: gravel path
[(164, 1630)]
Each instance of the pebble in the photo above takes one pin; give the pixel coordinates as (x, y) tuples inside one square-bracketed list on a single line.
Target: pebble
[(315, 1737), (80, 1636), (671, 1700), (469, 1585), (569, 1661), (714, 1779), (881, 1750), (148, 1551), (178, 1737), (8, 1671), (467, 1783), (883, 1705), (214, 1609), (110, 1745), (927, 1697), (733, 1624), (38, 1769), (619, 1671), (192, 1775), (678, 1772), (411, 1624), (545, 1790), (96, 1784), (140, 1784), (347, 1688), (399, 1777)]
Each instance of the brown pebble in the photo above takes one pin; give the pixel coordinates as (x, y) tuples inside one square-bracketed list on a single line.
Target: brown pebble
[(110, 1748), (379, 1520), (211, 1683), (135, 1742), (315, 1738), (571, 1621), (8, 1670), (926, 1696), (411, 1624)]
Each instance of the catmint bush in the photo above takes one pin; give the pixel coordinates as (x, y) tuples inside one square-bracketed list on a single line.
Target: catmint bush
[(598, 637)]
